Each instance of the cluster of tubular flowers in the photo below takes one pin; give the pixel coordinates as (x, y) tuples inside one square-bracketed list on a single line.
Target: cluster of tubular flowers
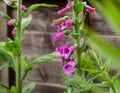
[(64, 51)]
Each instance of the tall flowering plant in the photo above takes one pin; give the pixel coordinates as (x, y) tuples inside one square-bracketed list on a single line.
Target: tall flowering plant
[(11, 50), (82, 66)]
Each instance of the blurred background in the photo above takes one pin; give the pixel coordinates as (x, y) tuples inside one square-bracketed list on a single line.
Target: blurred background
[(37, 41)]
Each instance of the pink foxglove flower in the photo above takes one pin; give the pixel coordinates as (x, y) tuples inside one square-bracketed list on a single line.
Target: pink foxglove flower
[(65, 51), (59, 50), (69, 5), (64, 25), (69, 68), (11, 22), (90, 9), (58, 36), (23, 7), (68, 51), (62, 11)]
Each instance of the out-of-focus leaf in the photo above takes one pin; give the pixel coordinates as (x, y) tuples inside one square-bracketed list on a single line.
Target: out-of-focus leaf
[(25, 22), (29, 88), (13, 4), (4, 15), (5, 57), (12, 90), (35, 6), (3, 88), (44, 58), (109, 9), (105, 49), (4, 66)]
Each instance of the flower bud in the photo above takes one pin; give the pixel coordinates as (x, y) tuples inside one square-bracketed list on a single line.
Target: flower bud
[(23, 8), (11, 22), (90, 9), (69, 5), (62, 11), (58, 36)]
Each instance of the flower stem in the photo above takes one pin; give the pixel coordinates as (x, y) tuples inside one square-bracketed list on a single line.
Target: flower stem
[(18, 57), (77, 31)]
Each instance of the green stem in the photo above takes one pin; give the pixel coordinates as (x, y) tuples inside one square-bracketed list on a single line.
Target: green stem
[(18, 75), (77, 30), (18, 57), (19, 17)]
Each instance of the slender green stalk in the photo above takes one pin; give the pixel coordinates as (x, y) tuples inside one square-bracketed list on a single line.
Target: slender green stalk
[(19, 17), (77, 30), (18, 58)]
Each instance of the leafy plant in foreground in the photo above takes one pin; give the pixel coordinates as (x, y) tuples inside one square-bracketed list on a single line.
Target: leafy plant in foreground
[(11, 50)]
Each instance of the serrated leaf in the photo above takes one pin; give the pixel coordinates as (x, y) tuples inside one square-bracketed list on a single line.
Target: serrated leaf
[(29, 88), (44, 58), (25, 22), (4, 15), (35, 6)]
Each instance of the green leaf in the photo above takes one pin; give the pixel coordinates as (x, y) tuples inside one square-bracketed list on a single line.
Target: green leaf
[(4, 66), (82, 48), (3, 88), (44, 58), (25, 62), (35, 6), (116, 85), (4, 15), (1, 91), (13, 4), (78, 84), (105, 49), (12, 90), (13, 47), (75, 36), (5, 57), (29, 88), (25, 22), (110, 10)]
